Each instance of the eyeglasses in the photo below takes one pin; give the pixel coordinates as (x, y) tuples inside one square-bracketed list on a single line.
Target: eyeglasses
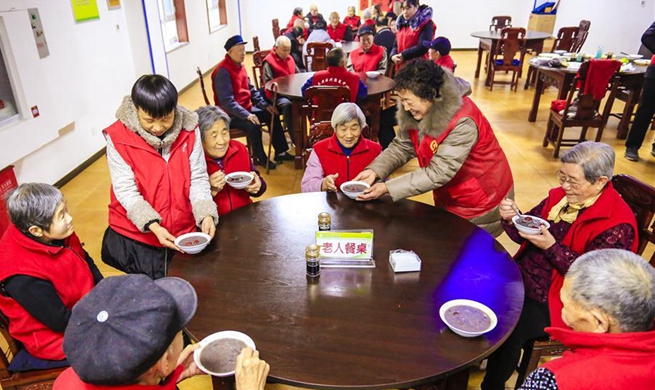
[(567, 179)]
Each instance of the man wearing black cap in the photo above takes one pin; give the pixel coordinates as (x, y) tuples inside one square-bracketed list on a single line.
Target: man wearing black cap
[(439, 51), (235, 94), (127, 334), (369, 57)]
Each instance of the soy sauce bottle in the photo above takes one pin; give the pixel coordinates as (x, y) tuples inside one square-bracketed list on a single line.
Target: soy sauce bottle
[(313, 264), (324, 221)]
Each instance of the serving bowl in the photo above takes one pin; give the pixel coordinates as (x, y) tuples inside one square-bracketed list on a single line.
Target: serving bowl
[(527, 229), (372, 74), (239, 180), (353, 188), (226, 334), (642, 62), (633, 57), (193, 242), (472, 304)]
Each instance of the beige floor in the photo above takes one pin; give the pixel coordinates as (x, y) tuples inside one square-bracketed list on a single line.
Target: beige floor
[(532, 165)]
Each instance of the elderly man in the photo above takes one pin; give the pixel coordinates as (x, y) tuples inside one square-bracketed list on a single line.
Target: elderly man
[(319, 34), (369, 56), (297, 40), (609, 301), (384, 36), (338, 31), (313, 17), (235, 94), (439, 52), (280, 63), (337, 74)]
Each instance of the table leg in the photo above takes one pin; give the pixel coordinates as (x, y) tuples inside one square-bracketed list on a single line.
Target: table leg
[(223, 383), (374, 109), (538, 90), (492, 56), (457, 381), (477, 68), (299, 136)]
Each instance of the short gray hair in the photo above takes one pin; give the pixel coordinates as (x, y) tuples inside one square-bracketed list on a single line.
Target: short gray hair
[(345, 112), (618, 282), (367, 14), (595, 158), (33, 204), (282, 40), (207, 116)]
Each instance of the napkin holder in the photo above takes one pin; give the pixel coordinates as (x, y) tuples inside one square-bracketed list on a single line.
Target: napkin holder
[(404, 261)]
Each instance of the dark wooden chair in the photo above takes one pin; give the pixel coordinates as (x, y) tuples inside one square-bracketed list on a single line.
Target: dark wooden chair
[(566, 37), (315, 58), (255, 43), (258, 68), (24, 380), (276, 28), (274, 88), (497, 23), (510, 53), (320, 102), (581, 38), (586, 113)]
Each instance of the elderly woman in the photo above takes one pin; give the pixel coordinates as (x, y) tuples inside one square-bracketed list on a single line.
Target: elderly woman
[(225, 156), (297, 15), (336, 160), (585, 213), (460, 159), (612, 342), (414, 26), (352, 19)]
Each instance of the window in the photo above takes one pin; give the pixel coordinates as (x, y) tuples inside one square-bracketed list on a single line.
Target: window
[(216, 15), (172, 17), (8, 108)]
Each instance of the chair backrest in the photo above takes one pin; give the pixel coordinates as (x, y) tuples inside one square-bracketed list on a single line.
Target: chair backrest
[(258, 67), (500, 22), (641, 199), (202, 86), (586, 85), (10, 351), (276, 28), (317, 53), (582, 36), (566, 38), (255, 43), (321, 100), (512, 41)]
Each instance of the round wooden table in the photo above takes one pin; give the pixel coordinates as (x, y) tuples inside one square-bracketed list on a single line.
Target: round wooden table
[(352, 328), (290, 87)]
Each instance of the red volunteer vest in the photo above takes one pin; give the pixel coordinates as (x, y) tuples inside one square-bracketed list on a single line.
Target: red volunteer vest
[(366, 61), (165, 185), (485, 177), (236, 159), (63, 266), (408, 37), (446, 62), (281, 67), (333, 160), (608, 211), (352, 21), (608, 361), (338, 33), (369, 22), (292, 21), (239, 78), (68, 380), (338, 76)]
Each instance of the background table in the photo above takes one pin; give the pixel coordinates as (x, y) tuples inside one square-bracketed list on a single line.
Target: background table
[(290, 87), (347, 47), (352, 328)]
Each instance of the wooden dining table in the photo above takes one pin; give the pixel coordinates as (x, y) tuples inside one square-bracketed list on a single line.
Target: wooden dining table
[(290, 87), (366, 328), (534, 42), (562, 78)]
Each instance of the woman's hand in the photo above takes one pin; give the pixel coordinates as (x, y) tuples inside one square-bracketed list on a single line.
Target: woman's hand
[(327, 184), (542, 241), (164, 237), (186, 360), (208, 226), (251, 372), (397, 59), (374, 192), (255, 186), (217, 182), (367, 176), (507, 209)]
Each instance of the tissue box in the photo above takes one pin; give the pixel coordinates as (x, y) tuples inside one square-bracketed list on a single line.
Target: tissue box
[(404, 261)]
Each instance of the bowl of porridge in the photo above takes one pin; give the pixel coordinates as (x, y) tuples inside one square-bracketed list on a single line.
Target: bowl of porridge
[(218, 352), (468, 318), (239, 180)]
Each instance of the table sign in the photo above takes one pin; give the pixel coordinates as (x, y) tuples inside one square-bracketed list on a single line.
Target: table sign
[(346, 248)]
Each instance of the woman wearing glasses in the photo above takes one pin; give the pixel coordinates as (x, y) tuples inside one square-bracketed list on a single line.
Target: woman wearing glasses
[(585, 213)]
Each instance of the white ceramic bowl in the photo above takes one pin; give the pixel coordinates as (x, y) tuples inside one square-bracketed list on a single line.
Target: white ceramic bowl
[(548, 55), (642, 62), (353, 194), (633, 57), (467, 302), (193, 242), (559, 52), (235, 179), (226, 334), (372, 74), (529, 230)]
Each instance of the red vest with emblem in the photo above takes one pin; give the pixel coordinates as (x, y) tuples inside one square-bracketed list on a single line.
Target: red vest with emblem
[(366, 61), (352, 21), (338, 33), (68, 380), (485, 177), (608, 211), (407, 37), (236, 159), (281, 67), (338, 76), (165, 185), (63, 266), (239, 78), (333, 160), (446, 62)]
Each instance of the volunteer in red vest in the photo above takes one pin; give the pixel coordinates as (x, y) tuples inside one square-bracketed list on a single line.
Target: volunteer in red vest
[(313, 17), (585, 213), (367, 18), (368, 56), (338, 31), (278, 63), (337, 74), (352, 19), (159, 183), (44, 272), (608, 298), (225, 156), (297, 15), (248, 110), (340, 158), (414, 26), (439, 51), (127, 334), (460, 159)]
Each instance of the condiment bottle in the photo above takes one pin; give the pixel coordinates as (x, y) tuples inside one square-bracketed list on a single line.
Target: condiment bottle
[(324, 221), (313, 264)]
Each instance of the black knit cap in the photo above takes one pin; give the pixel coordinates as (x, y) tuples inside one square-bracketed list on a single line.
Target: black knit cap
[(233, 41)]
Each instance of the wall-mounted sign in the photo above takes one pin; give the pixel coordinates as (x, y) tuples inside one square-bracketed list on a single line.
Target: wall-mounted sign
[(114, 4), (84, 10), (37, 30)]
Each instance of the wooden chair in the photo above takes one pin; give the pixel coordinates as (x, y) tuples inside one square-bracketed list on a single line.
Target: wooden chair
[(508, 47), (587, 114), (274, 88), (641, 199), (276, 28), (566, 37), (255, 43), (315, 58), (497, 23), (258, 68), (583, 32), (24, 380), (320, 102)]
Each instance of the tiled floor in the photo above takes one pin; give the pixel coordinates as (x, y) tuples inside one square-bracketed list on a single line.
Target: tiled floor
[(532, 165)]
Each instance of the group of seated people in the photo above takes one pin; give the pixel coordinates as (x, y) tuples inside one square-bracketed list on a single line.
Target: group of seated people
[(168, 168)]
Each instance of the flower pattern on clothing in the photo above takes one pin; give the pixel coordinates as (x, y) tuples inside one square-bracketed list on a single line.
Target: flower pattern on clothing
[(540, 379)]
